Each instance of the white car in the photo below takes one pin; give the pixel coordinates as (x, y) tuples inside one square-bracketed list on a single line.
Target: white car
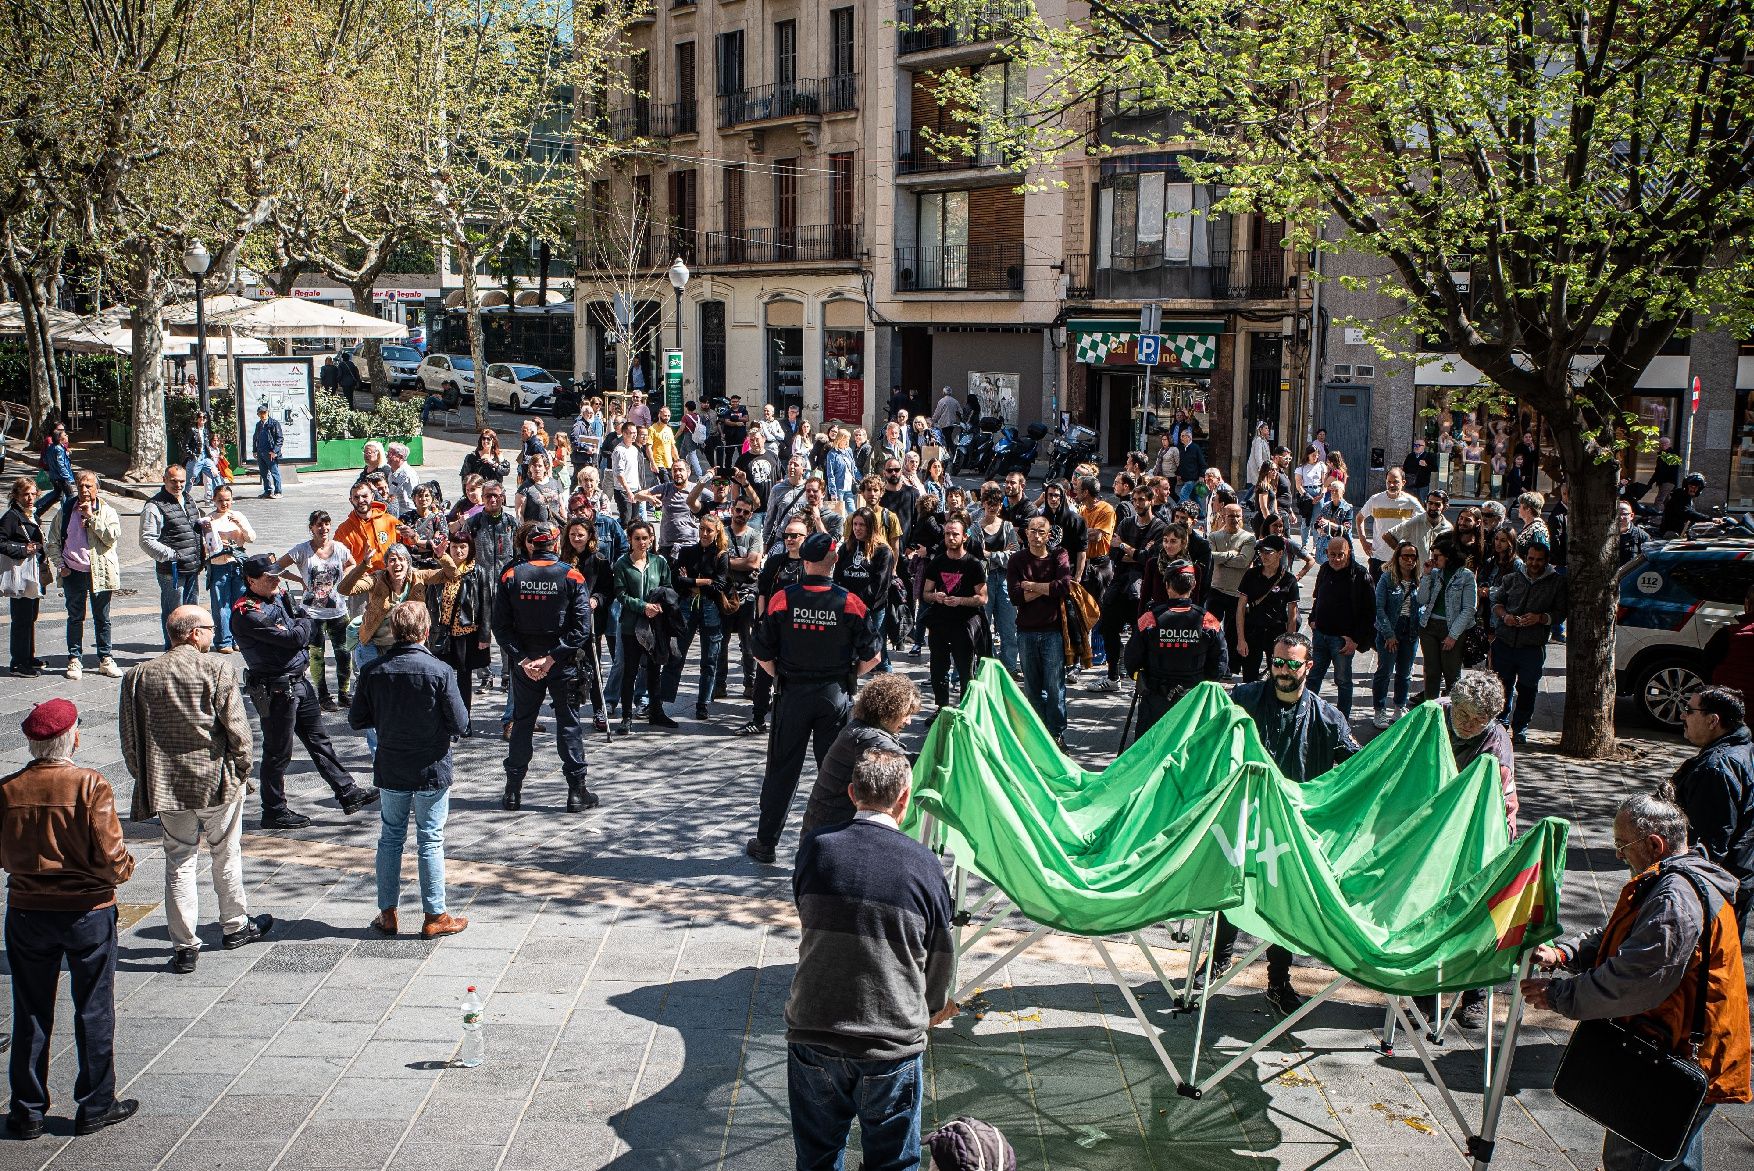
[(450, 376), (401, 364), (520, 388)]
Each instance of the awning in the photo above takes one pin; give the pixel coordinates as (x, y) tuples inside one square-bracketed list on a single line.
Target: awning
[(1113, 341)]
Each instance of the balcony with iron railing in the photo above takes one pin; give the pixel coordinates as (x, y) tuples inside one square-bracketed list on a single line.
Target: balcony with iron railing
[(1236, 275), (840, 93), (993, 268), (816, 243), (676, 118), (618, 250), (630, 121), (922, 29), (914, 155), (794, 101), (1126, 119)]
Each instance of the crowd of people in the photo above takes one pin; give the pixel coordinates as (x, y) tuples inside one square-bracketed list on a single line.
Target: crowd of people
[(587, 566)]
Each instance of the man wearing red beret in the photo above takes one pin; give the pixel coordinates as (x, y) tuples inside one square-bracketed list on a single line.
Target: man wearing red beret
[(62, 849)]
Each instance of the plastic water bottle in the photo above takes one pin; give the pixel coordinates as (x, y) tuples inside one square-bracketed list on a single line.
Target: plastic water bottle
[(474, 1045)]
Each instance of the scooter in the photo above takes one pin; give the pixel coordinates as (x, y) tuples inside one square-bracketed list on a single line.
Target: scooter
[(974, 446), (1015, 453)]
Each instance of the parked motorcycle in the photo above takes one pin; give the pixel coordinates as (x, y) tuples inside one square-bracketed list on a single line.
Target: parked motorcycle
[(1015, 453), (974, 446), (1069, 449)]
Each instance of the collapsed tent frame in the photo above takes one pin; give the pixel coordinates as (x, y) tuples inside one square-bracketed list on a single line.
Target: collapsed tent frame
[(1480, 1142)]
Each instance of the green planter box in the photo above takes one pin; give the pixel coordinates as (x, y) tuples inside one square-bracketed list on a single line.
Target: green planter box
[(119, 436), (336, 455)]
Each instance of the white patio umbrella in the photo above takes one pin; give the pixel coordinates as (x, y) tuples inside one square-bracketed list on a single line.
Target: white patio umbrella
[(295, 317), (183, 312), (12, 318)]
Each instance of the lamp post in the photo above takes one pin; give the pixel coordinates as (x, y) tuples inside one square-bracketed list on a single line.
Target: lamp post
[(195, 262), (679, 281)]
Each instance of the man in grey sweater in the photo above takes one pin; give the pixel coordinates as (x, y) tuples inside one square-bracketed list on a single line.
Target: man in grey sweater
[(874, 969), (1528, 605), (1233, 551)]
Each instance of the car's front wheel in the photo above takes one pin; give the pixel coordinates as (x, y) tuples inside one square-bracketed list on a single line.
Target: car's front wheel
[(1664, 687)]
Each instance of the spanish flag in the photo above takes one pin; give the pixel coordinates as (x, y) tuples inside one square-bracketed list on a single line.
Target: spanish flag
[(1520, 904)]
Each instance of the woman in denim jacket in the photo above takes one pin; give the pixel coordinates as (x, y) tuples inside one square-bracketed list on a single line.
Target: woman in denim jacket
[(1397, 633), (1447, 601)]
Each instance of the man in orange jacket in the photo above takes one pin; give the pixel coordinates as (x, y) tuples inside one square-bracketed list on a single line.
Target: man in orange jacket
[(368, 530), (1643, 965)]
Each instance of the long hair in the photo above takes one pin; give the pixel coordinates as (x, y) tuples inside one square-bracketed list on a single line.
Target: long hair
[(490, 437), (719, 541), (19, 485), (579, 557), (869, 545)]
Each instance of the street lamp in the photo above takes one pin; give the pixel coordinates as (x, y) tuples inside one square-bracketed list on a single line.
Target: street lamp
[(679, 281), (195, 262)]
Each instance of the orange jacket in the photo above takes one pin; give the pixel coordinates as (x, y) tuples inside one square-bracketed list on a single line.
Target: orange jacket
[(367, 539), (1649, 909)]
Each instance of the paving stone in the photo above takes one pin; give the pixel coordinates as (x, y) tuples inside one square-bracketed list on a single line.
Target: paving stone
[(301, 957)]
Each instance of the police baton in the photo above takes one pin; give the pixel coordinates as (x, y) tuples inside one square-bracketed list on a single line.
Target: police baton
[(1127, 727), (601, 683)]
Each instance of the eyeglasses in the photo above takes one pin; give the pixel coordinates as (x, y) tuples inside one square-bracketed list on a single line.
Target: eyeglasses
[(794, 536), (1288, 664), (1691, 710)]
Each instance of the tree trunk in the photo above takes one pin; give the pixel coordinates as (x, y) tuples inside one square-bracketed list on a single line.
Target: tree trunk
[(376, 371), (477, 344), (34, 302), (147, 455), (1593, 487)]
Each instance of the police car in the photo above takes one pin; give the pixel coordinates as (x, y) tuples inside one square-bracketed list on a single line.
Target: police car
[(1676, 603)]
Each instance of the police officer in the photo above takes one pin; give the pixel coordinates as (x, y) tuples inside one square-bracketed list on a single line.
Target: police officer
[(784, 567), (542, 617), (1178, 644), (814, 638), (273, 633)]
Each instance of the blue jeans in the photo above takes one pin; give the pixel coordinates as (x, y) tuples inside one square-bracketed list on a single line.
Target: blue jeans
[(365, 653), (1620, 1155), (201, 467), (1044, 676), (225, 585), (37, 944), (269, 467), (1397, 665), (827, 1091), (58, 492), (1002, 616), (1519, 669), (176, 587), (429, 811), (77, 588), (1330, 648)]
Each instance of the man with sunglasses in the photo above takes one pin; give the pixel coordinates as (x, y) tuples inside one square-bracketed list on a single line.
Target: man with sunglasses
[(1715, 787), (899, 497), (1306, 736)]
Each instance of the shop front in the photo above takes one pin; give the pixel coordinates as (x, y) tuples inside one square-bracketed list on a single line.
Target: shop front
[(1116, 403)]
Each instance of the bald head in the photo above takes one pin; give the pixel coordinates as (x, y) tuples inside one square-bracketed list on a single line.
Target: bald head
[(191, 625)]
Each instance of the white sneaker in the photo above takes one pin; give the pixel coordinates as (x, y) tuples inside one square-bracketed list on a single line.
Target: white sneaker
[(108, 669), (74, 668), (1400, 710), (1105, 684), (1382, 719)]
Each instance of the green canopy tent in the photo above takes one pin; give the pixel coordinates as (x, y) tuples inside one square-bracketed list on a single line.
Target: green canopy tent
[(1395, 868)]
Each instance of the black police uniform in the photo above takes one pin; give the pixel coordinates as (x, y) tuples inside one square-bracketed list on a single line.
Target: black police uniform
[(542, 607), (272, 634), (815, 633), (777, 572), (1178, 644)]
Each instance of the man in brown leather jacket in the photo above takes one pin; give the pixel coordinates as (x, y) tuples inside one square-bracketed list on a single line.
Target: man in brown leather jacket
[(62, 849)]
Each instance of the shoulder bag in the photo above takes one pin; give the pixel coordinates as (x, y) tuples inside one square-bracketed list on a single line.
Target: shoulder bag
[(1625, 1083)]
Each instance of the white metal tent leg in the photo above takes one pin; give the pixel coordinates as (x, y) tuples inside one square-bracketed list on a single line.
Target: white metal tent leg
[(1418, 1038), (1151, 1031), (1266, 1039), (1011, 953), (1480, 1146)]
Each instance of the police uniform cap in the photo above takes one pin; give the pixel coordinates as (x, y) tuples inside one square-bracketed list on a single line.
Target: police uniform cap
[(1179, 565), (1272, 543), (816, 547), (258, 565), (545, 533)]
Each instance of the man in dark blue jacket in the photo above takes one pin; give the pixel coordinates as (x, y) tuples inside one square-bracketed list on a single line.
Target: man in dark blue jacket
[(411, 698), (1306, 736), (267, 442), (1716, 787)]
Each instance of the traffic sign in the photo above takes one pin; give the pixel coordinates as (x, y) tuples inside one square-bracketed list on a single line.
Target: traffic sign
[(673, 380), (1151, 318), (1150, 348), (1694, 406)]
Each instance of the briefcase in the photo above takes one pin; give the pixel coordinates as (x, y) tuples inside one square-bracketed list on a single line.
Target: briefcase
[(1629, 1084)]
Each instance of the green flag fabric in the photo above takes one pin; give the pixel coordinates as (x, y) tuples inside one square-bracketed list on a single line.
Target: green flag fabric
[(1395, 868)]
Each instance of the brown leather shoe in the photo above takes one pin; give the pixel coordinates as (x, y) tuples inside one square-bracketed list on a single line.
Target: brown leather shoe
[(385, 923), (443, 924)]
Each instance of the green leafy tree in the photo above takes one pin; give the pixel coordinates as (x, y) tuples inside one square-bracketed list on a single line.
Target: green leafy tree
[(1555, 186)]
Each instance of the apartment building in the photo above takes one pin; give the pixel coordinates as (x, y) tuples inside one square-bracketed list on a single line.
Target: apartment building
[(747, 161), (1141, 230)]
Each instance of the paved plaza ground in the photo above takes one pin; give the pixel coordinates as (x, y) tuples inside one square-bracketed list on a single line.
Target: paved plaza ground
[(635, 966)]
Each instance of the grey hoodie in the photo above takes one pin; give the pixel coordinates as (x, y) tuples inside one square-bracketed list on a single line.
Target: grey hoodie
[(1650, 963), (1520, 594)]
